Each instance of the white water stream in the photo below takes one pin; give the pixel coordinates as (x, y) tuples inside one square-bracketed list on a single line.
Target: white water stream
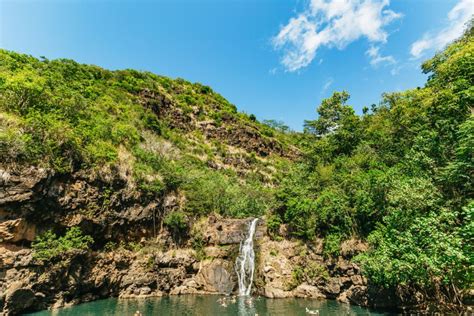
[(245, 262)]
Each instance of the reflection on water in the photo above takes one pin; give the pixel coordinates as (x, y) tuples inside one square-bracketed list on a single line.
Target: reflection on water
[(210, 305)]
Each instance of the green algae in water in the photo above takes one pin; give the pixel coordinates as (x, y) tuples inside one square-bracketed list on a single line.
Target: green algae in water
[(209, 305)]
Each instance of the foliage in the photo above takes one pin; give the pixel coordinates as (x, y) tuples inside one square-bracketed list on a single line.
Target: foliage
[(176, 221), (278, 125), (49, 245), (68, 116), (426, 250), (208, 192), (332, 245), (274, 222), (310, 273), (198, 243), (400, 175)]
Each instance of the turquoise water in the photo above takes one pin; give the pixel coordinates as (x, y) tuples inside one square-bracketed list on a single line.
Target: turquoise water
[(209, 305)]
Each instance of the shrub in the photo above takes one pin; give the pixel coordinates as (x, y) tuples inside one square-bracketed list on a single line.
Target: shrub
[(310, 273), (176, 221), (332, 245), (424, 253), (49, 245), (198, 243), (208, 192), (301, 216), (273, 225)]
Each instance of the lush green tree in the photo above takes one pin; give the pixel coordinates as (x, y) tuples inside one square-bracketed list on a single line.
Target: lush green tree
[(278, 125)]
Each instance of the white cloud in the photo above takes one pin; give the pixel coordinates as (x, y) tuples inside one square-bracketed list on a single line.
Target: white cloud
[(326, 86), (457, 19), (377, 59), (332, 23)]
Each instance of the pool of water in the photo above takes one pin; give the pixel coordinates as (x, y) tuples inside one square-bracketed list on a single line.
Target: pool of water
[(210, 305)]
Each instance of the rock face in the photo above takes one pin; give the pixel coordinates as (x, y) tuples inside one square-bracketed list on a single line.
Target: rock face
[(27, 285), (104, 206), (216, 276), (293, 269), (232, 132), (16, 230), (229, 231)]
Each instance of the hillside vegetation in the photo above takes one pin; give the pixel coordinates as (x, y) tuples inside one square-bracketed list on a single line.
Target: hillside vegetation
[(399, 176), (165, 135)]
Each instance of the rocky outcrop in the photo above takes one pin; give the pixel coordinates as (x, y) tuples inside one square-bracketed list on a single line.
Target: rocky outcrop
[(232, 132), (28, 285), (104, 206), (21, 185), (16, 230), (294, 269), (224, 231)]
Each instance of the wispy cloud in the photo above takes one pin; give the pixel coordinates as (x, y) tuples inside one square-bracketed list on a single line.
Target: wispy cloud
[(331, 23), (326, 86), (376, 58), (461, 14)]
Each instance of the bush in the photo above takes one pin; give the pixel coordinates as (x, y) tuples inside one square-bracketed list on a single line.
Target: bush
[(176, 221), (48, 245), (198, 243), (424, 253), (273, 225), (208, 192), (311, 273), (177, 224), (332, 245), (301, 216)]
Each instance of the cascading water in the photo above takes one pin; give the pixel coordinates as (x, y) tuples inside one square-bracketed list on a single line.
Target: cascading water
[(245, 262)]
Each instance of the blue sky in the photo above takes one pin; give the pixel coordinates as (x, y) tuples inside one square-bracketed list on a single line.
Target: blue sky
[(274, 58)]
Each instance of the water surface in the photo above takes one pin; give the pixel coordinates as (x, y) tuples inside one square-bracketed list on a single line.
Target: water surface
[(209, 305)]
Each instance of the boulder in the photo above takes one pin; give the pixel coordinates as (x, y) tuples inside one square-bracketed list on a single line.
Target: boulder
[(331, 288), (352, 247), (214, 277), (308, 291), (357, 294), (16, 230), (272, 292), (358, 280), (18, 299)]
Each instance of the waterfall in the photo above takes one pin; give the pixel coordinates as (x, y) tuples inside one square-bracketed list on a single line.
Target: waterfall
[(245, 262)]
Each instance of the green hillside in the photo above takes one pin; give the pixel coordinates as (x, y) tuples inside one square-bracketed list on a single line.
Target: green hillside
[(164, 134)]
